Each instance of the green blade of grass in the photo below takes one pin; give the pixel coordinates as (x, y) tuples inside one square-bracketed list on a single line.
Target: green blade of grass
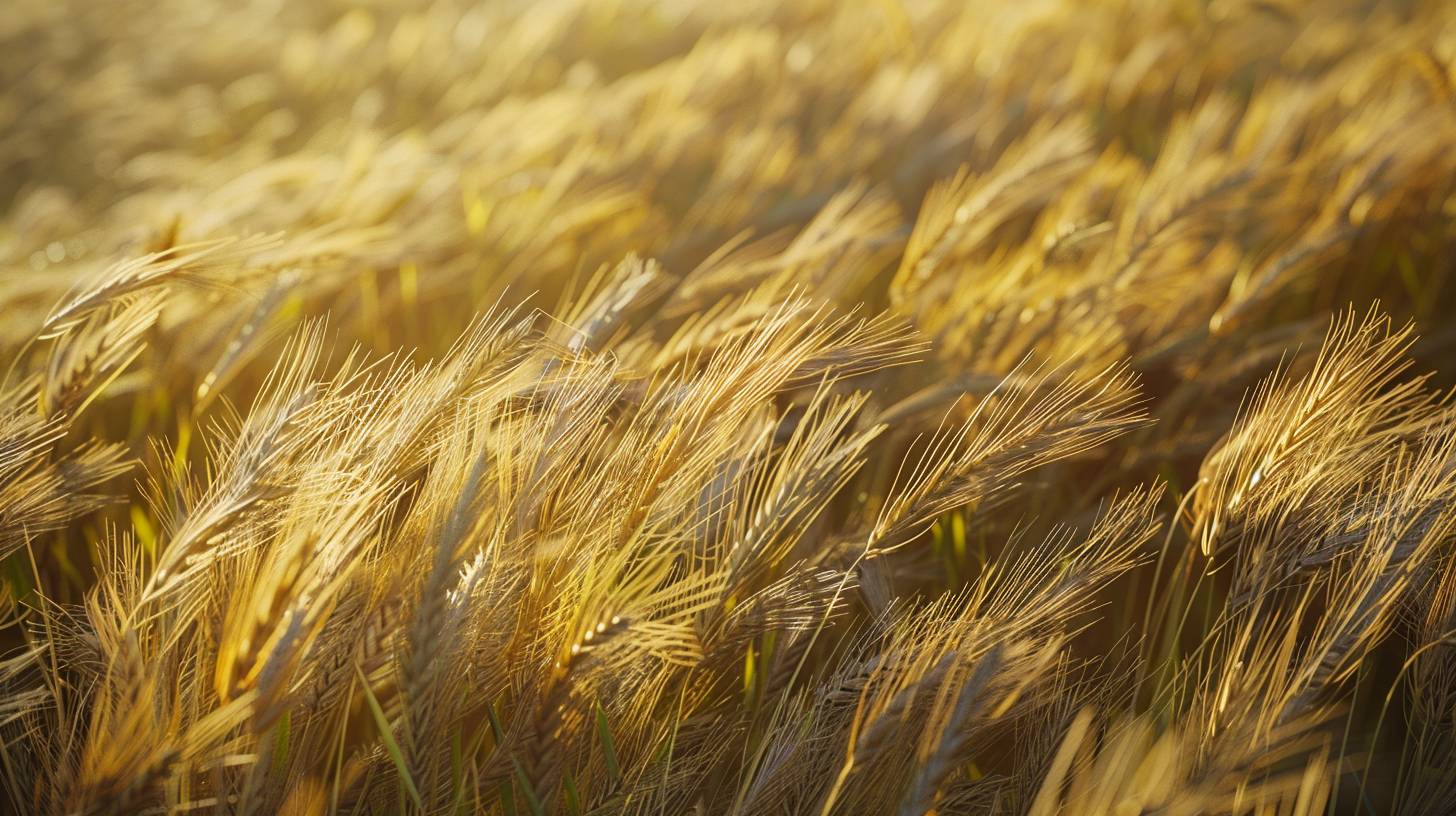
[(609, 749), (390, 746)]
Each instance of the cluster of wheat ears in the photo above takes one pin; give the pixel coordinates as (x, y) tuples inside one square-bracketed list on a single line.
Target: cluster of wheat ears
[(751, 407)]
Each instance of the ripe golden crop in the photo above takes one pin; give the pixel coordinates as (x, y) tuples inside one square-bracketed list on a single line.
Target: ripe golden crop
[(765, 407)]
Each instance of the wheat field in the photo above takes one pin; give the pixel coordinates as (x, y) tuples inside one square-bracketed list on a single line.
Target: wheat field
[(756, 407)]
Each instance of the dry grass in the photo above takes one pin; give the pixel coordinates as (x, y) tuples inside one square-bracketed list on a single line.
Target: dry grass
[(786, 408)]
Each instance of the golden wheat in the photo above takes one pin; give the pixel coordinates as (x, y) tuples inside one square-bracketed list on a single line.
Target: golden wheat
[(919, 407)]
